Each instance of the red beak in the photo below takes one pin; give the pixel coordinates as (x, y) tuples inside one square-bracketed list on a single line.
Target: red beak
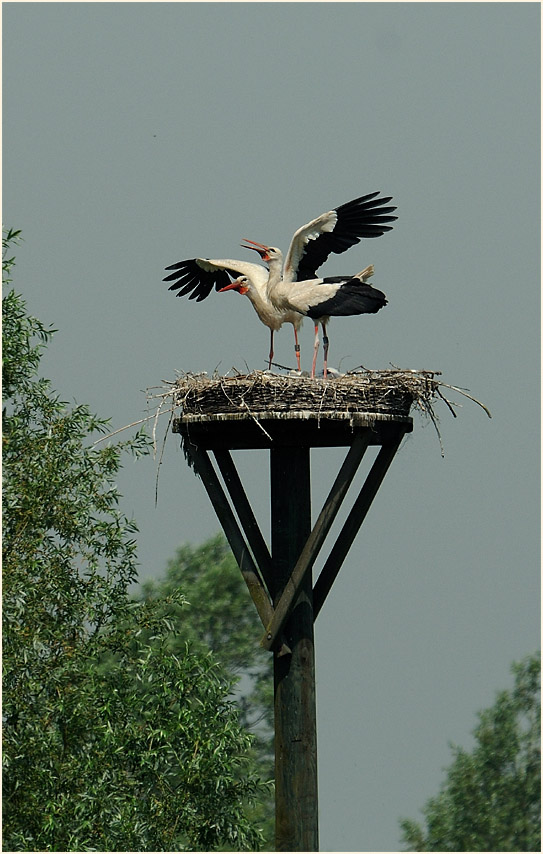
[(257, 247), (262, 246), (234, 286)]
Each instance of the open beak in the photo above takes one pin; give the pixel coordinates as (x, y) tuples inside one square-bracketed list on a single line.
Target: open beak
[(257, 247)]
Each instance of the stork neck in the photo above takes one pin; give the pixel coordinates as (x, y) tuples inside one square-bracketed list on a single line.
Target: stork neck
[(274, 275)]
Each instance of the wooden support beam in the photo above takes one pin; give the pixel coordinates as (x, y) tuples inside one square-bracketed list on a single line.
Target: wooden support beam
[(319, 431), (288, 572), (204, 467), (353, 522), (317, 536), (246, 516), (296, 794)]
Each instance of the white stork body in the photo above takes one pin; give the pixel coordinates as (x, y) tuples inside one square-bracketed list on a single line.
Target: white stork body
[(198, 276), (320, 299), (336, 296)]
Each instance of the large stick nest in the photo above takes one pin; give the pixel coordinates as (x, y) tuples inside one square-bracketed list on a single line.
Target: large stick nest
[(386, 393), (360, 396)]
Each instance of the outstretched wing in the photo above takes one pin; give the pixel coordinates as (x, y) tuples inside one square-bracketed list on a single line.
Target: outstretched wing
[(198, 276), (336, 231)]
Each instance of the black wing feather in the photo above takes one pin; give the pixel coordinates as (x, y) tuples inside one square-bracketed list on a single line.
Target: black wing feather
[(190, 278), (352, 298), (363, 217)]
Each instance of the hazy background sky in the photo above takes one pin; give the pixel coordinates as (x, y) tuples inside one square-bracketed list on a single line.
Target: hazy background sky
[(140, 134)]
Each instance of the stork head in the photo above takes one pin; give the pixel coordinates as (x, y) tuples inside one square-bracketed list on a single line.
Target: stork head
[(267, 253), (242, 285)]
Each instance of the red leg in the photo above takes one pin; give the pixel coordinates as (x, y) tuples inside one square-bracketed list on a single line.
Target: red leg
[(315, 350), (297, 348)]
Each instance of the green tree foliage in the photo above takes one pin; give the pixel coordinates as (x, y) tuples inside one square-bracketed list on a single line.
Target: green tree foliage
[(112, 741), (490, 800), (220, 616)]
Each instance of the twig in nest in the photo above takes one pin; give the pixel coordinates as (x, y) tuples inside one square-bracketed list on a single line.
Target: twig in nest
[(126, 427), (244, 404), (448, 402), (433, 418), (462, 391), (283, 367), (166, 433)]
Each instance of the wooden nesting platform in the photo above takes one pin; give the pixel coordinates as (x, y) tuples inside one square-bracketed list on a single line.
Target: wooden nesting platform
[(264, 410)]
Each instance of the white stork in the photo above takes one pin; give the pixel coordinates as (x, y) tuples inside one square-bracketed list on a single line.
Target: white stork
[(321, 299), (198, 276), (334, 231)]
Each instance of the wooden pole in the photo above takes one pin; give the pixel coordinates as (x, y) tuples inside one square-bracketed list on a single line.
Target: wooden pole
[(296, 796)]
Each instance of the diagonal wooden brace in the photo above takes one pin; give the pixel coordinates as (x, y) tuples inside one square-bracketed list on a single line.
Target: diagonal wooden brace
[(317, 536), (246, 516), (204, 467), (353, 522)]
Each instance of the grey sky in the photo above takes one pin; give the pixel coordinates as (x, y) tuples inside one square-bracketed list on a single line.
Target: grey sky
[(137, 135)]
